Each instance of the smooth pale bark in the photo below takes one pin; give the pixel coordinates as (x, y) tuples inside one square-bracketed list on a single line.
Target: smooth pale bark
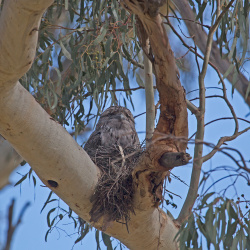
[(149, 94), (9, 160), (54, 155)]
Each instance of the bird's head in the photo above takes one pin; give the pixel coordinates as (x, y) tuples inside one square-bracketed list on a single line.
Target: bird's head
[(119, 113)]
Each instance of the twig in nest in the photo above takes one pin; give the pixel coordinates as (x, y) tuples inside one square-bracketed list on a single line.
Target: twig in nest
[(113, 195), (122, 154)]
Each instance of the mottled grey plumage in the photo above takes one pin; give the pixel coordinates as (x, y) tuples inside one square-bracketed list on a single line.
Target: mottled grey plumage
[(116, 127), (115, 148)]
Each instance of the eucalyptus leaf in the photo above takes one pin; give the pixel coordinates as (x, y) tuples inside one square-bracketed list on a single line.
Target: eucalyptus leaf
[(65, 51)]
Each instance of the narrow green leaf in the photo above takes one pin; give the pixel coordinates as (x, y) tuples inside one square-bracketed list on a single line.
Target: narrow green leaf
[(46, 202), (206, 197), (230, 232), (30, 172), (55, 100), (21, 180), (232, 213), (139, 80), (107, 241), (232, 48), (201, 10), (229, 70), (46, 55), (103, 32), (84, 232), (46, 235), (34, 180), (65, 51), (59, 76), (247, 91), (108, 46), (48, 217), (66, 5), (97, 240)]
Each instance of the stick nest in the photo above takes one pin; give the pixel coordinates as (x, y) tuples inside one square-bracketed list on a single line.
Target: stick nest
[(114, 191)]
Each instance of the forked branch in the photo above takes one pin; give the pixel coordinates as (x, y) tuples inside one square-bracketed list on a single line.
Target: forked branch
[(198, 151)]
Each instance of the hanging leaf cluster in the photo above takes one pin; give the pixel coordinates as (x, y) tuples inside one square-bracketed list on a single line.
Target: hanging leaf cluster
[(232, 36), (221, 222), (83, 54)]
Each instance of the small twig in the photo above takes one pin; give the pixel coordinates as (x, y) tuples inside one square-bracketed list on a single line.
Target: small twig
[(179, 179), (12, 227), (132, 89), (133, 61), (184, 54), (173, 193), (196, 58), (143, 113), (122, 154), (219, 119), (223, 140), (192, 107), (194, 51), (189, 92), (189, 20), (209, 96), (223, 178), (214, 27), (149, 95)]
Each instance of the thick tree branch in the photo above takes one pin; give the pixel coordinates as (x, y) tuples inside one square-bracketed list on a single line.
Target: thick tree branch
[(173, 118), (9, 159), (170, 160), (15, 58), (172, 125), (66, 169)]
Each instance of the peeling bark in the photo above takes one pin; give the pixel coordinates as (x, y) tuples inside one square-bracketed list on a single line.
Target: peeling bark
[(173, 117), (170, 135)]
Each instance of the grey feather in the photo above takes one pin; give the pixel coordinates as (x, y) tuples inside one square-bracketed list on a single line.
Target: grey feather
[(115, 127)]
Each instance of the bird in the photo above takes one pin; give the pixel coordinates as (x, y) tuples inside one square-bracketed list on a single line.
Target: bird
[(116, 127), (115, 148)]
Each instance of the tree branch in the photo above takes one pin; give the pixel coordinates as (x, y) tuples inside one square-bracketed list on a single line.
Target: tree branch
[(12, 227), (149, 94), (200, 39), (198, 150), (149, 173), (16, 60), (170, 160)]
